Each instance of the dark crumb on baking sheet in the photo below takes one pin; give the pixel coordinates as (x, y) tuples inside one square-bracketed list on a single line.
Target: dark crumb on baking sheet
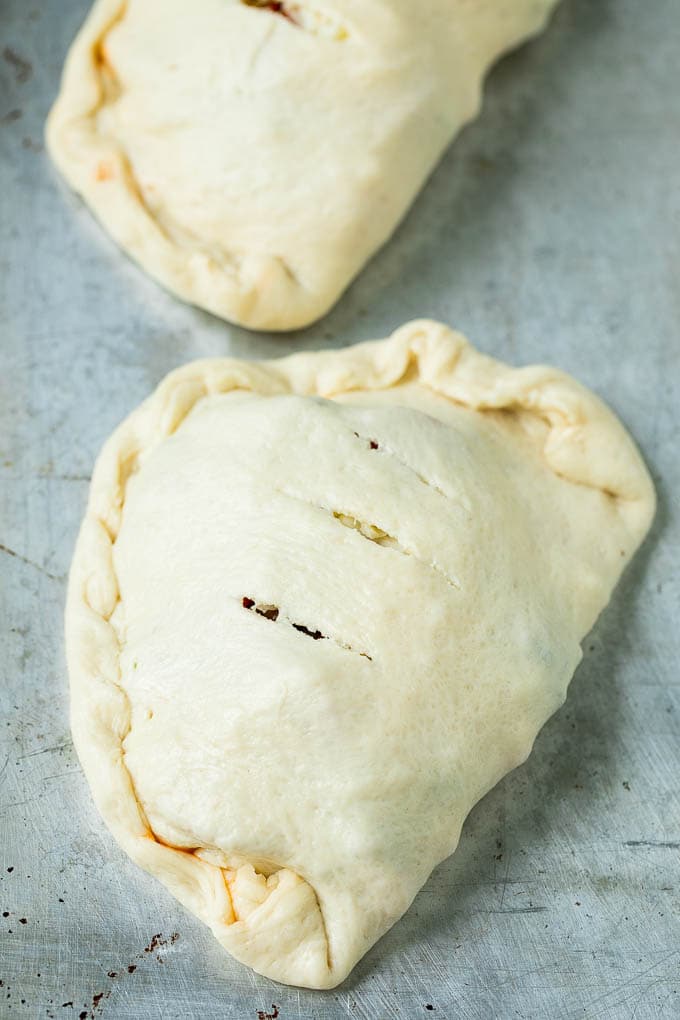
[(22, 68), (158, 942), (94, 1010), (262, 1014)]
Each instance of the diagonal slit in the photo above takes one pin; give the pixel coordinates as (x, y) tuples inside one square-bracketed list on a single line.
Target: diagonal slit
[(374, 534), (304, 16), (373, 444), (272, 613)]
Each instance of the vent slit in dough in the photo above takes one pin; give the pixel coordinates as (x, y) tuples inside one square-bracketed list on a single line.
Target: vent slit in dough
[(374, 445), (304, 16), (373, 533), (292, 805), (251, 162), (273, 613)]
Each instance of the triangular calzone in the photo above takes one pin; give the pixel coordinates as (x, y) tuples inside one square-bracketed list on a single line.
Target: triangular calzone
[(318, 607), (252, 156)]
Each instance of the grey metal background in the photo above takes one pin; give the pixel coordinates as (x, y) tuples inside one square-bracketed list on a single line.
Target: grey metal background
[(550, 232)]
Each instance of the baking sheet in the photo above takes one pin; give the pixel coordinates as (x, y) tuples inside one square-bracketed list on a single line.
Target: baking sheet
[(550, 232)]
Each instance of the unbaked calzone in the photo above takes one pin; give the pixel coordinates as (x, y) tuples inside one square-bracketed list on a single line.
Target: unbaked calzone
[(252, 156), (318, 607)]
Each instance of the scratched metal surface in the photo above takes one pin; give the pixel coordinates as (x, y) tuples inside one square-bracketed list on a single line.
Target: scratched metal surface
[(549, 232)]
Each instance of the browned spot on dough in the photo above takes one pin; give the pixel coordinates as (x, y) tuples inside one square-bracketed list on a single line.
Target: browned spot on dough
[(104, 171)]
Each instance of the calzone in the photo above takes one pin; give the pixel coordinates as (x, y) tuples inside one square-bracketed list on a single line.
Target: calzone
[(318, 607), (252, 156)]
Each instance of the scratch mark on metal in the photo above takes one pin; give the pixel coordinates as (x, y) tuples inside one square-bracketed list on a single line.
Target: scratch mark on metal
[(46, 750), (516, 910), (4, 808), (642, 994), (30, 563), (650, 843), (70, 478), (636, 977), (505, 882)]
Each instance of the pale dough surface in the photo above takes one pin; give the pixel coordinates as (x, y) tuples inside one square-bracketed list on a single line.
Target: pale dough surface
[(252, 163), (437, 531)]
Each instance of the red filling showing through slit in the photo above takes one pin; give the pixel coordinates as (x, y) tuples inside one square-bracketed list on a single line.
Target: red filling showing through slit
[(270, 612), (275, 6)]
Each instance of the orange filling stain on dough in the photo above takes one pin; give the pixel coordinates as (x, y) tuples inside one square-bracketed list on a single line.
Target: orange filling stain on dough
[(104, 172), (227, 874)]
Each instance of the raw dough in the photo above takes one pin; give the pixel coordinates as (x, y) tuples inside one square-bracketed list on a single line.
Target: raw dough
[(318, 607), (253, 163)]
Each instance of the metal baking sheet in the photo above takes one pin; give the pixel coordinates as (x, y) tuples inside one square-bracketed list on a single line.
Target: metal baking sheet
[(550, 232)]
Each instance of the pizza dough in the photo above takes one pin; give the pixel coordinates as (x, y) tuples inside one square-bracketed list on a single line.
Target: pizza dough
[(318, 607), (252, 159)]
